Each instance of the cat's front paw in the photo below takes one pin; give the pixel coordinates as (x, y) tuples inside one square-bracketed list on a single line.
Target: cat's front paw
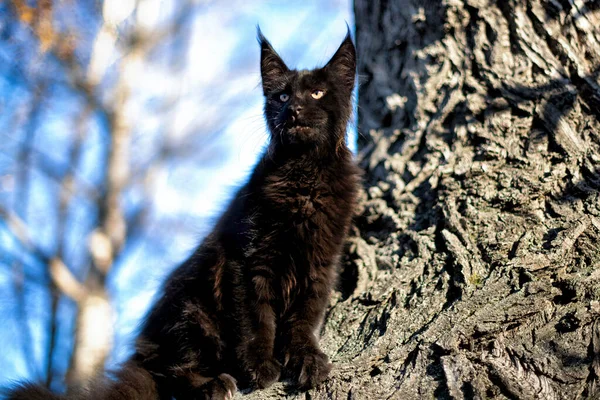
[(308, 367), (223, 387), (265, 373)]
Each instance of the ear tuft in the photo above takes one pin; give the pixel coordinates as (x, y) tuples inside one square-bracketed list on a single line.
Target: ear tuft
[(272, 67), (343, 62)]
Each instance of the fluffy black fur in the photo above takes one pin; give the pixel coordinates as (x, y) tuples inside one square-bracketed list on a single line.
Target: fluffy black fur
[(247, 306)]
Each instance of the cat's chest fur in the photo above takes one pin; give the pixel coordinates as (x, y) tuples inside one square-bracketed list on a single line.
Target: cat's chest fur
[(302, 197), (305, 213), (307, 210)]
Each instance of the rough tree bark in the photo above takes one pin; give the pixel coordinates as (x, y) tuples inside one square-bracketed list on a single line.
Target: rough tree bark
[(473, 270)]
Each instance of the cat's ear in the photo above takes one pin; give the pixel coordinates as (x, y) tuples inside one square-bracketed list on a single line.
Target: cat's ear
[(343, 63), (272, 67)]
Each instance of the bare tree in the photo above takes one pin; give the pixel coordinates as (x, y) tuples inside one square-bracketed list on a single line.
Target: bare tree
[(473, 269), (95, 73)]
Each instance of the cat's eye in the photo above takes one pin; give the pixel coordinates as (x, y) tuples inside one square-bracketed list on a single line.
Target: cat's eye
[(284, 97), (317, 94)]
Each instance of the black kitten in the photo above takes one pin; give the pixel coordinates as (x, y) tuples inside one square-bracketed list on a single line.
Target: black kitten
[(247, 306)]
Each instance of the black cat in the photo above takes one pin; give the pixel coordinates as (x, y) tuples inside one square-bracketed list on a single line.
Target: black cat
[(247, 306)]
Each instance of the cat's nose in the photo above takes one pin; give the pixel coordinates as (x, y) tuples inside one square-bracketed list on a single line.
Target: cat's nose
[(295, 109)]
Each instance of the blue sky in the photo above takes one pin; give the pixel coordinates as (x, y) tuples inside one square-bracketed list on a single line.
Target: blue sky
[(216, 126)]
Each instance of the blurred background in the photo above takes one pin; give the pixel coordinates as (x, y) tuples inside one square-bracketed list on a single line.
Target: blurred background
[(125, 125)]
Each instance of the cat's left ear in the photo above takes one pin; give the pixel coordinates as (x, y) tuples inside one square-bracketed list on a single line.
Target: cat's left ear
[(272, 67), (343, 63)]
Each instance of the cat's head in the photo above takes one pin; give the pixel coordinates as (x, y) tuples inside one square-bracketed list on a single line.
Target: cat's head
[(308, 106)]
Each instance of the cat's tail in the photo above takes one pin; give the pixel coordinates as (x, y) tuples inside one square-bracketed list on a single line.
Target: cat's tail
[(131, 382)]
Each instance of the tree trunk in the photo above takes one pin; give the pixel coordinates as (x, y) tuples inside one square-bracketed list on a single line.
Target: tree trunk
[(473, 269)]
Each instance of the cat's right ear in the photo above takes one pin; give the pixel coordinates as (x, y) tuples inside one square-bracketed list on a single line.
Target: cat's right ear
[(272, 67)]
